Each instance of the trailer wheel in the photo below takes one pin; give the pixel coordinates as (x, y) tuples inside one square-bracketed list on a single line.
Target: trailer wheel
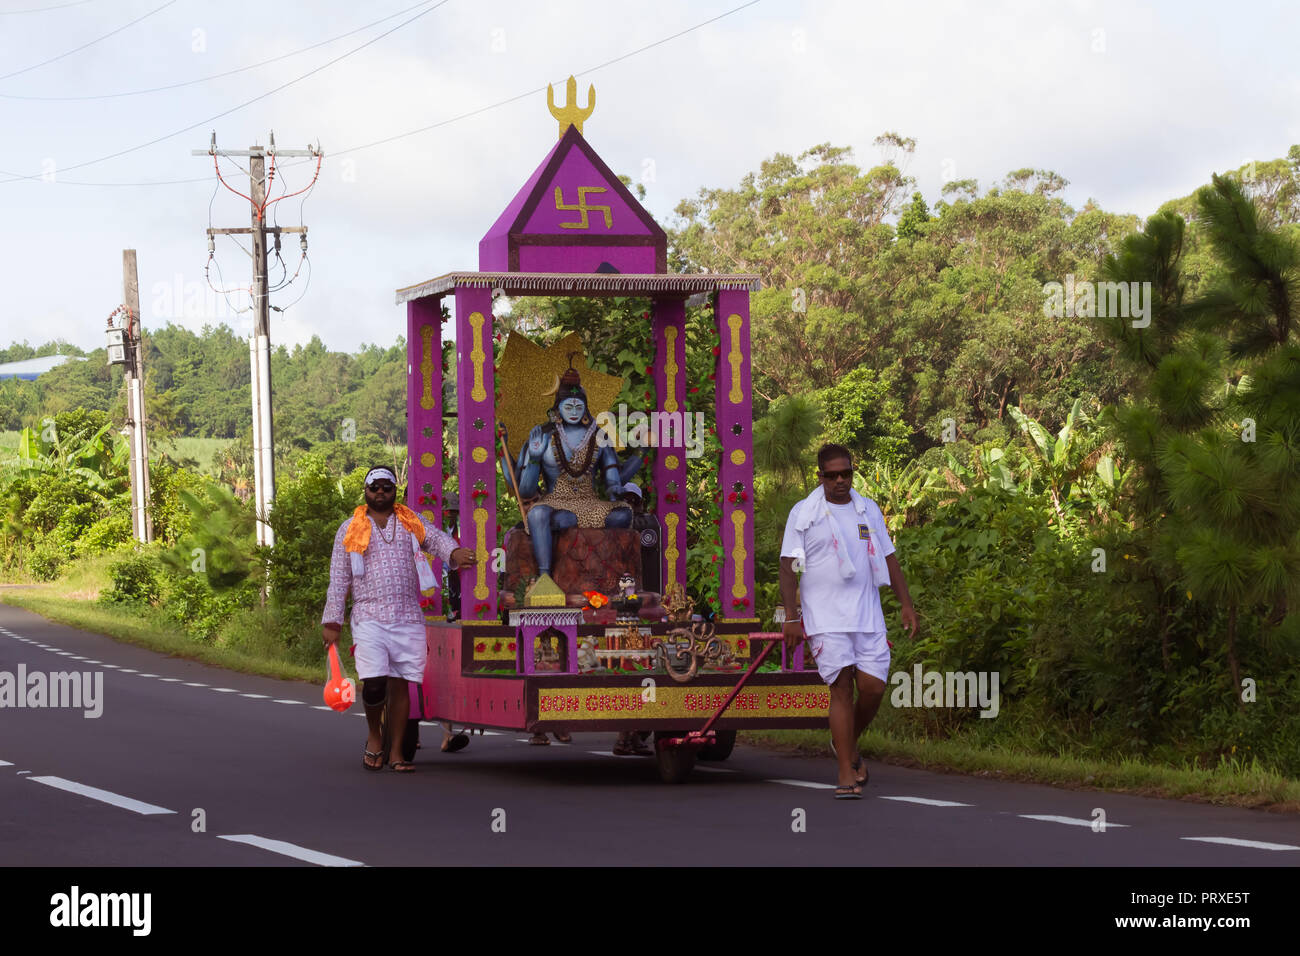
[(722, 748), (675, 763)]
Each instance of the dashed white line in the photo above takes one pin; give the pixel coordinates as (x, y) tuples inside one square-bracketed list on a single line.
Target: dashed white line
[(194, 684), (1070, 821), (128, 670), (805, 783), (148, 675), (92, 661), (1253, 844), (286, 702), (926, 801), (104, 796), (322, 707), (291, 849), (170, 680), (5, 763), (114, 666), (714, 769), (225, 690), (254, 696)]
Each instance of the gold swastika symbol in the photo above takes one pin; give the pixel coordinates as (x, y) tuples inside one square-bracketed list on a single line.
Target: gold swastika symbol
[(582, 207)]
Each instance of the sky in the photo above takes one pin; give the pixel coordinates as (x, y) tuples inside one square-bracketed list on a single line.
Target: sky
[(1133, 103)]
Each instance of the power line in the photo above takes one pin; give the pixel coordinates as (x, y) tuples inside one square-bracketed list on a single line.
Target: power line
[(422, 129), (214, 76), (542, 89), (205, 122), (53, 59), (59, 6)]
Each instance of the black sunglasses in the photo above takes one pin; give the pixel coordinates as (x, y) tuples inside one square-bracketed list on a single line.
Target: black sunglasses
[(846, 474), (382, 486)]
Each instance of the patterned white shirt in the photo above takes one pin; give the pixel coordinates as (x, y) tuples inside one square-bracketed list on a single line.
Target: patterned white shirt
[(389, 591)]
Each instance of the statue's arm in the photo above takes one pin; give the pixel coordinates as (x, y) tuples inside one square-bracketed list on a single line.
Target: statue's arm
[(608, 461)]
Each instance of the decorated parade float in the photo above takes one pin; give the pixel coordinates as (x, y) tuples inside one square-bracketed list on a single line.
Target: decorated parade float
[(577, 618)]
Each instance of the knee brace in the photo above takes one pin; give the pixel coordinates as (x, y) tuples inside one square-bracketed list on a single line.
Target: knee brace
[(374, 691)]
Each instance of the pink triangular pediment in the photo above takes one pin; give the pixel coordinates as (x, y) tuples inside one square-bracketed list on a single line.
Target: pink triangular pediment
[(571, 198)]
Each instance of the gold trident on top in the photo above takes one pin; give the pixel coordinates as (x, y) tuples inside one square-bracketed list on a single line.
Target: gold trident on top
[(570, 114)]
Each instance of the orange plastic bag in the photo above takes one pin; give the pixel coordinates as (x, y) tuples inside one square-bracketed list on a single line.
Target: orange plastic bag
[(340, 691)]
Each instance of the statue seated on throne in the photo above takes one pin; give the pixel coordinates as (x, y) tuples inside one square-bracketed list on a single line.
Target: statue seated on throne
[(558, 470)]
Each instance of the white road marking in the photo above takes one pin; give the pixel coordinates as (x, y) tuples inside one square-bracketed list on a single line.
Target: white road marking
[(926, 801), (104, 796), (286, 702), (1253, 844), (322, 707), (114, 666), (225, 690), (714, 769), (1071, 821), (148, 675), (128, 670), (5, 763), (92, 661), (254, 696), (194, 684), (21, 772), (64, 653), (170, 680), (598, 753), (76, 658), (805, 783), (291, 849)]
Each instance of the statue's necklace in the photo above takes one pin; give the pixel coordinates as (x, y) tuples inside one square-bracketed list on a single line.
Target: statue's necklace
[(561, 444)]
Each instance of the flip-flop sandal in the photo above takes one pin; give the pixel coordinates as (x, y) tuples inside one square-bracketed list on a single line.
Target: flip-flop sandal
[(853, 792), (402, 766), (453, 744), (539, 740), (860, 766), (372, 756), (564, 738)]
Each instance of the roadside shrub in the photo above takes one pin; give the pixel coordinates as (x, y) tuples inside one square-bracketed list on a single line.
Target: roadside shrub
[(45, 563), (107, 533), (134, 582)]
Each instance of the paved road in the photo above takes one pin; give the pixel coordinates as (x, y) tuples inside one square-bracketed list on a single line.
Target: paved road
[(278, 781)]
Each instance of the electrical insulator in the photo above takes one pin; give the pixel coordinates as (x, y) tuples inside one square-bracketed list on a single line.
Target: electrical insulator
[(303, 243), (277, 243), (212, 245)]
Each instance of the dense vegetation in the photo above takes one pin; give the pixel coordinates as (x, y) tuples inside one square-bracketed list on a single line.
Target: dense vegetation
[(1107, 514)]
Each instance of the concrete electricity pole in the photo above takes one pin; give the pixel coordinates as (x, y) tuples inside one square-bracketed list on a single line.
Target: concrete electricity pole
[(259, 343), (133, 368)]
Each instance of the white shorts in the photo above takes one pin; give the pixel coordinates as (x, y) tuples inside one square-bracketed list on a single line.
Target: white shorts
[(389, 650), (836, 650)]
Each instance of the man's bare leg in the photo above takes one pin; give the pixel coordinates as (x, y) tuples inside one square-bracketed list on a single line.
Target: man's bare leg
[(841, 719), (375, 722), (399, 708), (871, 691)]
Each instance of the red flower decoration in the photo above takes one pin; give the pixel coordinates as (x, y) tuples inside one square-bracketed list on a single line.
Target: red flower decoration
[(480, 647), (422, 499), (694, 388), (712, 377), (647, 395), (496, 646), (732, 497), (716, 350), (649, 369), (741, 644), (510, 646)]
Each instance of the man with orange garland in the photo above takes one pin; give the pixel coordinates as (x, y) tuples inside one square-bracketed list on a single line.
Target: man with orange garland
[(377, 556)]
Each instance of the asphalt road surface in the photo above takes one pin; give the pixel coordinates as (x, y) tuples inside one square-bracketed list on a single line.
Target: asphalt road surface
[(191, 765)]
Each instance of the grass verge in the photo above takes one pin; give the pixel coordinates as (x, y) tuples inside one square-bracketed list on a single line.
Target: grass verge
[(147, 629), (1237, 785)]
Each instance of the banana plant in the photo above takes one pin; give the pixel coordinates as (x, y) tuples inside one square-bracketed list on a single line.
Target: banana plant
[(1060, 461)]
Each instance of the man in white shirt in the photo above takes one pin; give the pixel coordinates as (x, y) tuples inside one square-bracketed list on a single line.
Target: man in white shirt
[(839, 540)]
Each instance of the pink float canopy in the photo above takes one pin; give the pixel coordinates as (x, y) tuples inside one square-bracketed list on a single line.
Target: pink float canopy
[(574, 216)]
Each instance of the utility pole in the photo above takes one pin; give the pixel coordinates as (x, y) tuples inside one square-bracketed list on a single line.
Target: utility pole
[(126, 349), (259, 343)]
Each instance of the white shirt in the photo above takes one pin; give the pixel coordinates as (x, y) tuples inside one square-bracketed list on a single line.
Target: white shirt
[(832, 602)]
